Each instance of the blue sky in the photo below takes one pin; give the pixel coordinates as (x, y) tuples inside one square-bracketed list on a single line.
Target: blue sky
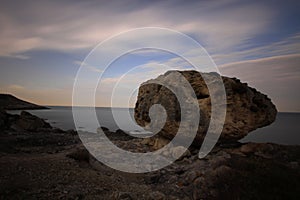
[(43, 44)]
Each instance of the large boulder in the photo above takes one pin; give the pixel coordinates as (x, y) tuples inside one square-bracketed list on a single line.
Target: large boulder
[(247, 109)]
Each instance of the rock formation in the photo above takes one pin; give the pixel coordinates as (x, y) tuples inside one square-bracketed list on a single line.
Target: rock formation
[(23, 122), (10, 102), (31, 122), (247, 109)]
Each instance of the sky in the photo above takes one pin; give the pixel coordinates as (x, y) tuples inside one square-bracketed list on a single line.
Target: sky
[(44, 43)]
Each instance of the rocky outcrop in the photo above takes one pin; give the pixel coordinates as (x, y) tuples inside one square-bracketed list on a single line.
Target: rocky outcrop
[(20, 132), (10, 102), (31, 122), (23, 122), (247, 109)]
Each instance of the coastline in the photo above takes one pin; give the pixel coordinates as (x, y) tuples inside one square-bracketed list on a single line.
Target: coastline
[(282, 131), (10, 102)]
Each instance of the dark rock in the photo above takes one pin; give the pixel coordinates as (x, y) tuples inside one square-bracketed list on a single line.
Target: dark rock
[(153, 179), (191, 176), (80, 155), (71, 132), (121, 132), (3, 119), (121, 195), (247, 109), (10, 102), (57, 130), (176, 152), (104, 128), (30, 122)]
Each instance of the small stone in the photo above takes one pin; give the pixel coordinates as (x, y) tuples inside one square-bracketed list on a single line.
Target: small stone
[(160, 143), (157, 196), (121, 195), (173, 179), (247, 148), (180, 152), (125, 196), (191, 176)]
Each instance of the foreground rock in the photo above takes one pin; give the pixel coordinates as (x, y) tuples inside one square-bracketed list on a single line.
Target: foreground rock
[(28, 133), (23, 122), (247, 109), (52, 164), (30, 122)]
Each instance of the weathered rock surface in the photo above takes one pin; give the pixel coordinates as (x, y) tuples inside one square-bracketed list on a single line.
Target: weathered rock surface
[(247, 109), (51, 164)]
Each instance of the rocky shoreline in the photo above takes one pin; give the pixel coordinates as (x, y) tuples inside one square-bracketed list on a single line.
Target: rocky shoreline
[(38, 161)]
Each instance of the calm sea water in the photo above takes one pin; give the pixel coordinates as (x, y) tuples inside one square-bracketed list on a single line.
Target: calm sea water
[(62, 117), (285, 130)]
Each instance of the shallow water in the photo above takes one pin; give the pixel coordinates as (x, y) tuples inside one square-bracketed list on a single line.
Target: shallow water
[(285, 130)]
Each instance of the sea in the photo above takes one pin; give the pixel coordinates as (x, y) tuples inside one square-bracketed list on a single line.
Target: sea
[(285, 129)]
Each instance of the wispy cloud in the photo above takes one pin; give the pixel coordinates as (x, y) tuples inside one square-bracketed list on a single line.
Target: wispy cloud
[(288, 45), (238, 35), (121, 91), (277, 76), (87, 66), (67, 27)]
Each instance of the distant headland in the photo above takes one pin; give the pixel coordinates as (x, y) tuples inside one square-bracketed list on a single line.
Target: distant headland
[(10, 102)]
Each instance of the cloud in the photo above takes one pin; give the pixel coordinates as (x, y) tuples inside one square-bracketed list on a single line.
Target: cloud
[(276, 76), (227, 29), (66, 26), (288, 45), (121, 90), (87, 66)]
